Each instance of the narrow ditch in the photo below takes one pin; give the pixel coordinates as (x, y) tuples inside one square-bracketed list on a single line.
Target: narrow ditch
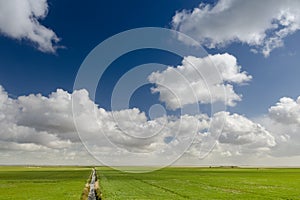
[(91, 190)]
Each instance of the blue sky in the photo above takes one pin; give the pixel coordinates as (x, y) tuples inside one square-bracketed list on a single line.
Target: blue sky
[(26, 67), (26, 70), (81, 30), (273, 77)]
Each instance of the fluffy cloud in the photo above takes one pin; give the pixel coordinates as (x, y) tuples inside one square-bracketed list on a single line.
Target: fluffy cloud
[(19, 19), (205, 80), (24, 135), (239, 130), (236, 136), (286, 136), (42, 125), (286, 111), (283, 121), (271, 138), (49, 114), (45, 125), (262, 26), (40, 129), (30, 132)]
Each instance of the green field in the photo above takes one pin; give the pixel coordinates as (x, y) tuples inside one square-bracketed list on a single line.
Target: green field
[(51, 183), (169, 183), (202, 183)]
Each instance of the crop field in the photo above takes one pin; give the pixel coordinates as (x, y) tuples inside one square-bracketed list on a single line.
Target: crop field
[(43, 183), (202, 183), (169, 183)]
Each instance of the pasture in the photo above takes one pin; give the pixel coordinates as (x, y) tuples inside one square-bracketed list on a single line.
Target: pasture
[(202, 183), (169, 183), (51, 183)]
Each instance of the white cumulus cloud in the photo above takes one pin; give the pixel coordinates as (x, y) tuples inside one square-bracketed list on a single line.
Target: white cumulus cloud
[(20, 19), (40, 129), (283, 120), (44, 125), (262, 25), (204, 80), (286, 111), (238, 136)]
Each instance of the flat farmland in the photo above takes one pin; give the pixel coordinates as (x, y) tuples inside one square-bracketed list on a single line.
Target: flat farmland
[(51, 183), (169, 183), (202, 183)]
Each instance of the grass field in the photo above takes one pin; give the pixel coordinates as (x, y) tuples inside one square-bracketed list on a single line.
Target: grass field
[(170, 183), (51, 183), (202, 183)]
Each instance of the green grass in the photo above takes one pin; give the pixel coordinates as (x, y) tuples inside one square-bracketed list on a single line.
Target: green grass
[(201, 183), (51, 183), (169, 183)]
